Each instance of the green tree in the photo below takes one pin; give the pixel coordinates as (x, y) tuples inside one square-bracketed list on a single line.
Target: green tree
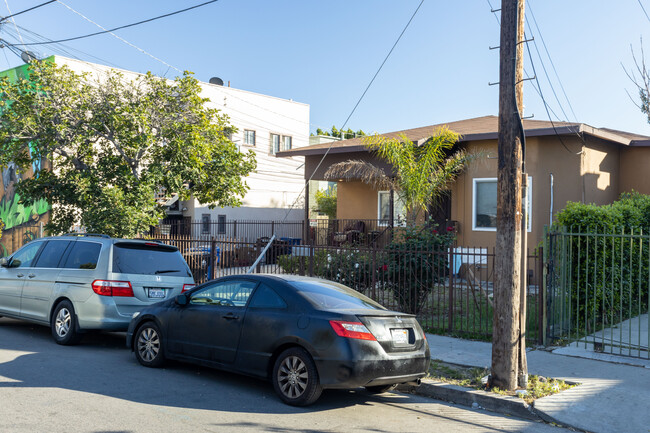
[(326, 202), (113, 143), (421, 173), (349, 133)]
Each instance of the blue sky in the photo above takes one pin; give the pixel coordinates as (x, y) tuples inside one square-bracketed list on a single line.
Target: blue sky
[(324, 53)]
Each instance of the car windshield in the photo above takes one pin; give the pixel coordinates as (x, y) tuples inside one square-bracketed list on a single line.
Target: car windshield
[(149, 260), (326, 295)]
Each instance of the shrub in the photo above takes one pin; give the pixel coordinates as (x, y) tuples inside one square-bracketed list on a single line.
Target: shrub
[(417, 259), (607, 264)]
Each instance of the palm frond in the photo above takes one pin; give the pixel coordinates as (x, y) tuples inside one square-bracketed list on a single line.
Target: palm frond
[(359, 170)]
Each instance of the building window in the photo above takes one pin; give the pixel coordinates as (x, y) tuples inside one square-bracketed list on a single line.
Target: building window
[(275, 143), (221, 224), (383, 208), (286, 142), (484, 204), (205, 223), (249, 137)]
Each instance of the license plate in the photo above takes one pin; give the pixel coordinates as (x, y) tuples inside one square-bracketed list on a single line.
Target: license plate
[(400, 336), (154, 292)]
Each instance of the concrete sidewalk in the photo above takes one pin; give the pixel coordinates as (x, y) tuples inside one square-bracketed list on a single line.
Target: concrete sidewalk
[(613, 396)]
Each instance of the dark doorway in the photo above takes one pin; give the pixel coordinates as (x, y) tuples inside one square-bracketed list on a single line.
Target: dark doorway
[(440, 212)]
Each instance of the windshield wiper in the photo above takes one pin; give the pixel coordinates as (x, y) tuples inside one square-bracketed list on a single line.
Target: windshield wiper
[(166, 271)]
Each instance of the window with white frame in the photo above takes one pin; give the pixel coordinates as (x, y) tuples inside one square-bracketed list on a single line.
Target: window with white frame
[(249, 137), (286, 142), (484, 204), (383, 208), (275, 143)]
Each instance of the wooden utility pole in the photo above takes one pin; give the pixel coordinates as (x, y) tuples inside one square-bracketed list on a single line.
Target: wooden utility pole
[(507, 332)]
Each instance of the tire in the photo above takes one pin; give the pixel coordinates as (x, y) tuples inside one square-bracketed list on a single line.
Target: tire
[(64, 324), (295, 378), (380, 389), (148, 346)]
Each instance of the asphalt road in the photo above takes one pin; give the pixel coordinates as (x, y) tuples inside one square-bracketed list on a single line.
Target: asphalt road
[(98, 386)]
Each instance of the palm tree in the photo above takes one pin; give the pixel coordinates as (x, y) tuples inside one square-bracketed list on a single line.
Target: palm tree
[(421, 173)]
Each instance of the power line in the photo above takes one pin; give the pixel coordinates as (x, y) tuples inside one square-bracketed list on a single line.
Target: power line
[(124, 26), (644, 11), (353, 110), (26, 10), (539, 32)]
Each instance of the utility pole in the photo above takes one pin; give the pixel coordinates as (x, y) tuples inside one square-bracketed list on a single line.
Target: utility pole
[(507, 362)]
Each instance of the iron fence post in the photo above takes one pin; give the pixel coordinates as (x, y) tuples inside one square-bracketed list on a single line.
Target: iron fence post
[(451, 290), (258, 251), (311, 260), (213, 255)]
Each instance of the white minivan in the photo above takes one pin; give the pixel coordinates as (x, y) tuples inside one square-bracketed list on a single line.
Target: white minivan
[(79, 282)]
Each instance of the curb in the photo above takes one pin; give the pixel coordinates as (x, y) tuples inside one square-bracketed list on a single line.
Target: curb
[(504, 404)]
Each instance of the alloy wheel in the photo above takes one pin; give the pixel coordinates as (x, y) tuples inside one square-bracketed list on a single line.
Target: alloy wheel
[(62, 322), (293, 376), (148, 344)]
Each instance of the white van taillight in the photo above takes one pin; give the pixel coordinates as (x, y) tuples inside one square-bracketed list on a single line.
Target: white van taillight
[(187, 287), (112, 288)]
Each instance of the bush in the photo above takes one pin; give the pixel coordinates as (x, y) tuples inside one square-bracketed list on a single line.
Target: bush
[(417, 259), (606, 262)]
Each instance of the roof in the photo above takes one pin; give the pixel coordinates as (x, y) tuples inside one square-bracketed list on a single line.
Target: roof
[(478, 128)]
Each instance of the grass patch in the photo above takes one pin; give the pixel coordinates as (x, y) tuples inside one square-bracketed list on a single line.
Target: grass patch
[(471, 377)]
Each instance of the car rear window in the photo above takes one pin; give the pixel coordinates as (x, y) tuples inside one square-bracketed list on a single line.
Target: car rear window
[(83, 255), (327, 295), (137, 258)]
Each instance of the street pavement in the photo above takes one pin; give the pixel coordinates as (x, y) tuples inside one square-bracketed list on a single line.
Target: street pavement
[(98, 386), (613, 394)]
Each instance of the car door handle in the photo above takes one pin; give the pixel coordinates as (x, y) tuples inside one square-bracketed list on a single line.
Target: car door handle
[(20, 275), (31, 275), (230, 316)]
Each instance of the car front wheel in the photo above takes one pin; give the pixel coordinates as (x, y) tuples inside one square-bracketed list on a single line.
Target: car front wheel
[(295, 378), (64, 324), (148, 345)]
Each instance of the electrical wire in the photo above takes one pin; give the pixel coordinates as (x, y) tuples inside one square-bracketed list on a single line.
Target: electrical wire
[(26, 10), (353, 110), (124, 26), (122, 39), (557, 76), (644, 11)]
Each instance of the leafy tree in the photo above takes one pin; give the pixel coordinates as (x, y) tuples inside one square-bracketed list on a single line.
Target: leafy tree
[(326, 202), (421, 173), (112, 144), (349, 133)]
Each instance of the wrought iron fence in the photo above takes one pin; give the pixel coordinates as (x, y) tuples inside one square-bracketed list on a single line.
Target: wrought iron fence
[(449, 290), (597, 285)]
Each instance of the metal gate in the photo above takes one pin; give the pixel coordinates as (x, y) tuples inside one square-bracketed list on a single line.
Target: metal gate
[(597, 290)]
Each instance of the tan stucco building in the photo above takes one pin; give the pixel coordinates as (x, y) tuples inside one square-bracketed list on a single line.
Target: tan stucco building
[(565, 162)]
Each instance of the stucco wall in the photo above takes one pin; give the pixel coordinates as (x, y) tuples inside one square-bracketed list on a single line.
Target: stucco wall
[(634, 167), (356, 200)]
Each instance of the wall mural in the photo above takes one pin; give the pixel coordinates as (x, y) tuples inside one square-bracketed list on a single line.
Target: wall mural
[(21, 220)]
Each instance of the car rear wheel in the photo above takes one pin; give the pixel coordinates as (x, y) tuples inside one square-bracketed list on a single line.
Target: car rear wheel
[(379, 389), (148, 345), (295, 378), (64, 324)]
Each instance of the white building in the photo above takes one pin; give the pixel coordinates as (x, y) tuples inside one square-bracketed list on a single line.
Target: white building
[(265, 125)]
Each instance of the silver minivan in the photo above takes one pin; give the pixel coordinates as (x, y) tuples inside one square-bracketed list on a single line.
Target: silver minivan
[(80, 282)]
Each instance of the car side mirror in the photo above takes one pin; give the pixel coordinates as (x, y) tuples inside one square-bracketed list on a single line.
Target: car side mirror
[(181, 300), (4, 262)]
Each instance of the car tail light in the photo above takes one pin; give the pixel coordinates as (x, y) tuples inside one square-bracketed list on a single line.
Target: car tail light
[(352, 330), (112, 288), (187, 287)]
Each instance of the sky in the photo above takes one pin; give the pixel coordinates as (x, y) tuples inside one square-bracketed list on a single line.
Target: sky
[(325, 53)]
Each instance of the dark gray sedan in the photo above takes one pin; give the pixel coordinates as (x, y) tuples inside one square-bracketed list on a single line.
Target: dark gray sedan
[(305, 334)]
